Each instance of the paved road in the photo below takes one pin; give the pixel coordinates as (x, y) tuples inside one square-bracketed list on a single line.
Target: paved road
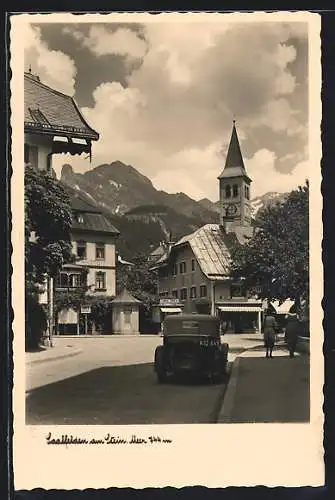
[(112, 382)]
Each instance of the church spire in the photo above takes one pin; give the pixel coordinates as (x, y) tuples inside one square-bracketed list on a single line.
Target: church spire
[(234, 159)]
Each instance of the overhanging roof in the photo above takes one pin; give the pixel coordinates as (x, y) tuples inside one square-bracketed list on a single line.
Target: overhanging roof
[(49, 112)]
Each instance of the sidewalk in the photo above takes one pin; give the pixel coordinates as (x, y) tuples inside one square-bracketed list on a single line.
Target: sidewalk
[(52, 353), (267, 390)]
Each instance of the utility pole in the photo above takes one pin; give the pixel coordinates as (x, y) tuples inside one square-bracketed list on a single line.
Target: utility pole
[(50, 286)]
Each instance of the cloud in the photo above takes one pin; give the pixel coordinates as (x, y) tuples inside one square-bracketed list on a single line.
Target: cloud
[(265, 177), (175, 114), (102, 41), (54, 68)]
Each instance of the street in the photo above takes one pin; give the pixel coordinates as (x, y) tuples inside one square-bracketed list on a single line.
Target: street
[(111, 381)]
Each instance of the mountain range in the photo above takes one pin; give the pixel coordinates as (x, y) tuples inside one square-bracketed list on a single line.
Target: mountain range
[(144, 215)]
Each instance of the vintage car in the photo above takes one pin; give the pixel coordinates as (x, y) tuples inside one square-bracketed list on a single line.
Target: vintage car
[(191, 345)]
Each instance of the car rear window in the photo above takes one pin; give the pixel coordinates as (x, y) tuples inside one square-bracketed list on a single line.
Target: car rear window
[(190, 325)]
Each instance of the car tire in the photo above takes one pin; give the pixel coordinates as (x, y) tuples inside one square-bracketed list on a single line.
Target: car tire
[(159, 365)]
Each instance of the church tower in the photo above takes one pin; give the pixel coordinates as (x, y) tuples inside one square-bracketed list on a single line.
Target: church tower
[(235, 209)]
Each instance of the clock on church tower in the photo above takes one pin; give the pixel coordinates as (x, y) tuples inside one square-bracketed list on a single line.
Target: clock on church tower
[(234, 187)]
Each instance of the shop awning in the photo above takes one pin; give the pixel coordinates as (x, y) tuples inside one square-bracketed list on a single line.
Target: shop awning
[(284, 308), (171, 309), (240, 308)]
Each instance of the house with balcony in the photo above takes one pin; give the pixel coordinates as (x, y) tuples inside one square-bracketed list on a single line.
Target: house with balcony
[(193, 273), (93, 240), (53, 124)]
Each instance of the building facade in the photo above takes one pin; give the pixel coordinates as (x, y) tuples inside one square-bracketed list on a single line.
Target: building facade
[(194, 271), (93, 240)]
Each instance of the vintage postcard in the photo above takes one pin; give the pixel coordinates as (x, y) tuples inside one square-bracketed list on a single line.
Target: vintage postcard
[(167, 300)]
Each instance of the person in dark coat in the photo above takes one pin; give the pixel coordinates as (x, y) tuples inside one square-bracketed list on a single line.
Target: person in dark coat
[(291, 333), (269, 331)]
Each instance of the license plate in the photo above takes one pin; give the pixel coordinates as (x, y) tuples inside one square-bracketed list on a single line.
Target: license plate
[(209, 343)]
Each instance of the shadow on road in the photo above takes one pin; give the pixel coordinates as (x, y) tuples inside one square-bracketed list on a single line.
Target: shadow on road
[(123, 395)]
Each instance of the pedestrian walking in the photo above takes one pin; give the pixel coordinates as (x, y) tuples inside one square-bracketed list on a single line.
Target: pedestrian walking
[(291, 333), (269, 332)]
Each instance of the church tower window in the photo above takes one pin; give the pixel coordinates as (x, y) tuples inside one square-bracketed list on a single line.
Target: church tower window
[(228, 191), (235, 190)]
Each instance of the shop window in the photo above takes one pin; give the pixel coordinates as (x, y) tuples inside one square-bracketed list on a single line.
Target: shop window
[(203, 290), (228, 191), (183, 293), (81, 249), (182, 267), (100, 281), (193, 292), (235, 190), (100, 251)]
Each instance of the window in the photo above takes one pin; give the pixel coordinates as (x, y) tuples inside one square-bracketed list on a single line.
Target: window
[(235, 190), (65, 280), (183, 293), (193, 292), (175, 294), (31, 155), (127, 315), (203, 290), (81, 249), (193, 265), (80, 218), (237, 291), (100, 251), (62, 280), (182, 268), (74, 281), (246, 192), (228, 191), (163, 294), (175, 270), (100, 281)]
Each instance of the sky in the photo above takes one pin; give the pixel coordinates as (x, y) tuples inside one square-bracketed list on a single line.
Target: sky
[(163, 95)]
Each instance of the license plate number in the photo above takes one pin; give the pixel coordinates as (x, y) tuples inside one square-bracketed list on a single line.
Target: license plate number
[(209, 343)]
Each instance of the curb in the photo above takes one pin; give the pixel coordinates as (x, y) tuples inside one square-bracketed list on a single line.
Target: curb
[(54, 358), (229, 397)]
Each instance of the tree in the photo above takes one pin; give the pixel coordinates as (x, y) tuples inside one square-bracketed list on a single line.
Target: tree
[(47, 243), (275, 259), (139, 280), (48, 218)]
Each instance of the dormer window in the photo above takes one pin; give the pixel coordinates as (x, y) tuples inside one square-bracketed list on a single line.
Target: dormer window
[(228, 191)]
